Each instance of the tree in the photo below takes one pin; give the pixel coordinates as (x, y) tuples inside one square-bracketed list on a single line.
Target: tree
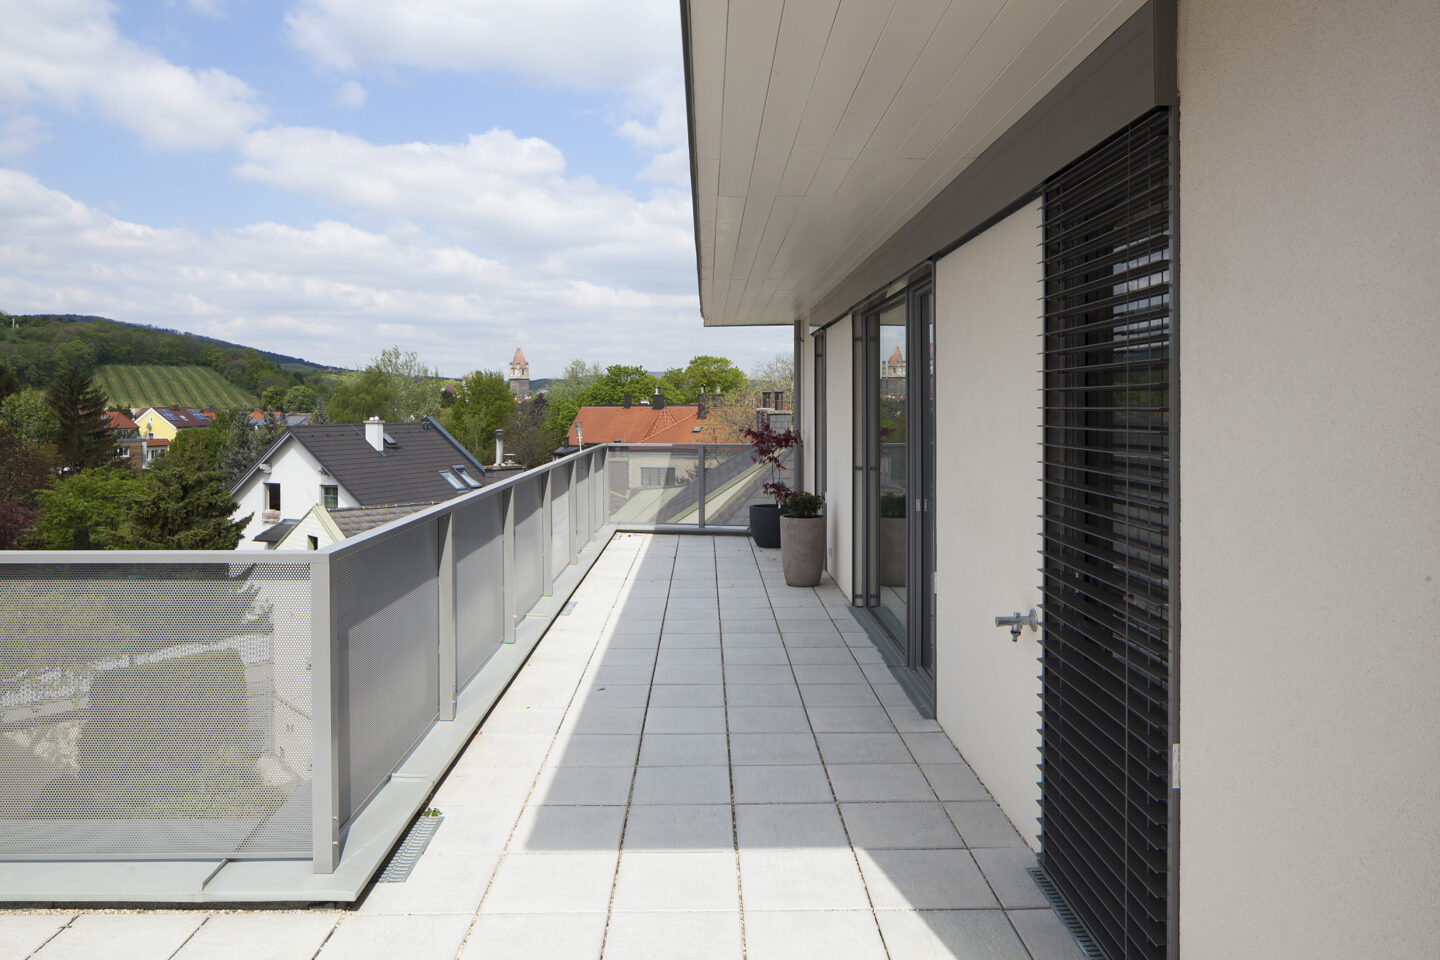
[(621, 379), (203, 448), (86, 510), (712, 374), (777, 373), (28, 416), (9, 383), (369, 393), (26, 468), (526, 439), (483, 404), (563, 398), (180, 509), (273, 399), (417, 387), (299, 399), (82, 433)]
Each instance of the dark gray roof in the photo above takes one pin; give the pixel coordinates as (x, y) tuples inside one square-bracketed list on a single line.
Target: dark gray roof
[(407, 471), (276, 533)]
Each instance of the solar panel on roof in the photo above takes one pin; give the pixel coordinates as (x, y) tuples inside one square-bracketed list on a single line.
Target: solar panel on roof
[(169, 416)]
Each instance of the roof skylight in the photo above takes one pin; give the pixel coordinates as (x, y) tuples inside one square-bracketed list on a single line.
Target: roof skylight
[(453, 480)]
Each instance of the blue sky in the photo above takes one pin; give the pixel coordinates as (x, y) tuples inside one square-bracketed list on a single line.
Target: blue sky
[(330, 177)]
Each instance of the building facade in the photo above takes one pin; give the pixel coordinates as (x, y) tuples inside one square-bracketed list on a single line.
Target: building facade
[(1181, 332)]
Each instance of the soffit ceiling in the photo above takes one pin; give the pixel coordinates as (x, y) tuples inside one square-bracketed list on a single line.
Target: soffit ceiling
[(822, 126)]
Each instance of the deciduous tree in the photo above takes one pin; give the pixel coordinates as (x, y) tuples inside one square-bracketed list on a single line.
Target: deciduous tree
[(26, 468), (483, 404), (86, 510)]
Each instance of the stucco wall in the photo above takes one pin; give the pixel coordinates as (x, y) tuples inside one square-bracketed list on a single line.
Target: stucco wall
[(987, 382), (298, 474), (1310, 479)]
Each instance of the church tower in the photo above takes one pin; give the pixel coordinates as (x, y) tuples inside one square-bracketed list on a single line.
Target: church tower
[(520, 375)]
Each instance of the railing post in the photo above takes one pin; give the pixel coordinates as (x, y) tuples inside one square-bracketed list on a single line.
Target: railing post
[(508, 551), (324, 728), (547, 533), (573, 497), (448, 620), (604, 493), (700, 483)]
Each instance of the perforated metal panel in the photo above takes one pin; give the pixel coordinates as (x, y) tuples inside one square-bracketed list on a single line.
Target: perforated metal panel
[(582, 501), (154, 710), (559, 521), (386, 610), (529, 545), (480, 583)]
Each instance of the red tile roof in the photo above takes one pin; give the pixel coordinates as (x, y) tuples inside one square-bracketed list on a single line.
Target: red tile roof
[(643, 424), (119, 420)]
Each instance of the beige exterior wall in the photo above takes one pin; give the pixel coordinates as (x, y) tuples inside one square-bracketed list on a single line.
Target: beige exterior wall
[(987, 324), (310, 525), (1310, 479)]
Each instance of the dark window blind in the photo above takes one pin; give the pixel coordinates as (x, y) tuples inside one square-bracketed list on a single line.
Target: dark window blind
[(1106, 700)]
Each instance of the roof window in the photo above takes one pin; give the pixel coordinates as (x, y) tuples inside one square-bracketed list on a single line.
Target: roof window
[(451, 479), (463, 474)]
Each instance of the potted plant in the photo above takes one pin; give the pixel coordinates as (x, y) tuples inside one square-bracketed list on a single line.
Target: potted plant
[(802, 539), (769, 447), (892, 539)]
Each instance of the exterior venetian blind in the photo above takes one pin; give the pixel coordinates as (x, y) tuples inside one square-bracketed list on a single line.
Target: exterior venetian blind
[(1107, 578)]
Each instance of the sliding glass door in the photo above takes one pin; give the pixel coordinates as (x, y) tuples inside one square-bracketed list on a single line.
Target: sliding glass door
[(894, 457)]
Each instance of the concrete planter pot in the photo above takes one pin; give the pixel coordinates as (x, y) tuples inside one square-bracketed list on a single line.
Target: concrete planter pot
[(802, 550), (892, 551), (765, 524)]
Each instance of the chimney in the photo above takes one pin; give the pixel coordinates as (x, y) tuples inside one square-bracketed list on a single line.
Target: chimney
[(779, 399), (499, 447), (765, 399), (375, 433), (703, 405), (657, 402), (628, 399)]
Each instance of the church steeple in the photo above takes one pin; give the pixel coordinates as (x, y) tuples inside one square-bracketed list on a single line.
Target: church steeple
[(520, 374)]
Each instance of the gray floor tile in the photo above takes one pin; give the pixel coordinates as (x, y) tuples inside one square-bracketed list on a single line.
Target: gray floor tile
[(684, 749), (806, 673), (613, 695), (689, 657), (122, 936), (750, 749), (879, 781), (757, 656), (822, 656), (1044, 935), (674, 936), (896, 826), (544, 829), (680, 826), (771, 825), (258, 936), (932, 748), (594, 750), (948, 934), (982, 824), (21, 934), (694, 639), (682, 785), (1005, 868), (626, 656), (780, 784), (954, 781), (571, 882), (689, 695), (924, 880), (582, 785), (475, 828), (812, 935), (759, 673), (750, 636), (762, 695), (850, 720), (839, 748), (768, 720), (595, 719), (536, 936), (387, 936), (685, 720), (838, 695), (688, 674), (676, 880), (441, 883), (801, 879)]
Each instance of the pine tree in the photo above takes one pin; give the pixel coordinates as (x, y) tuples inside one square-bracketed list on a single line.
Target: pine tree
[(182, 509), (83, 437)]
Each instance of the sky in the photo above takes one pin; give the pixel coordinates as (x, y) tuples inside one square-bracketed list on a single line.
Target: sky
[(327, 178)]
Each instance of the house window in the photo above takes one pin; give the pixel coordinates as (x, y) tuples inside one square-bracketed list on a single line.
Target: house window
[(657, 476), (330, 495), (314, 542), (464, 474), (272, 497), (451, 479)]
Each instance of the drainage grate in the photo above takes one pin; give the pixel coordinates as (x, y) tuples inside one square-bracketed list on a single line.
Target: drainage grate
[(417, 838), (1067, 916)]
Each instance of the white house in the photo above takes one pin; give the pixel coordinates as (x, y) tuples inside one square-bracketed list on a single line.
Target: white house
[(349, 465)]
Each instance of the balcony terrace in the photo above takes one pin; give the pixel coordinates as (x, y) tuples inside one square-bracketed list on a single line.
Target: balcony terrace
[(696, 760)]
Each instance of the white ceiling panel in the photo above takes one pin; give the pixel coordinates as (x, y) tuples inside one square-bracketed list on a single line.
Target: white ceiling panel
[(822, 126)]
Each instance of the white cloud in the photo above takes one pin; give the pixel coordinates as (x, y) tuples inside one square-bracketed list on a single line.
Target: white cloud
[(22, 134), (352, 94), (503, 194), (336, 293), (69, 52), (582, 43)]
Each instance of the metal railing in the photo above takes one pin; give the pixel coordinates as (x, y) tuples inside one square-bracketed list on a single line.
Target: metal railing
[(242, 705)]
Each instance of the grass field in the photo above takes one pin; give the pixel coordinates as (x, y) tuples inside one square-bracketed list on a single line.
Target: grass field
[(149, 385)]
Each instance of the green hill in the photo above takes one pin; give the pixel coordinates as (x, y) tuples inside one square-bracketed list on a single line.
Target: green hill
[(148, 385)]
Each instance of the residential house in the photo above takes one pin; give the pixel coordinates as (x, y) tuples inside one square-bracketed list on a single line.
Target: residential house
[(129, 445), (322, 526), (1162, 247), (348, 465), (165, 423)]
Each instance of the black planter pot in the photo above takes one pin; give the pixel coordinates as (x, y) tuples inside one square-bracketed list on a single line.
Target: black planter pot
[(765, 524)]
